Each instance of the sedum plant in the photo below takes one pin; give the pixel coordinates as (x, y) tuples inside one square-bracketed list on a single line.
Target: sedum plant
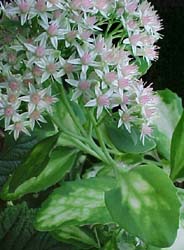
[(71, 80), (94, 48)]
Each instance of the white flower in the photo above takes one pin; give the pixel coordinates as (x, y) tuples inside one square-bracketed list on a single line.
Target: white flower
[(39, 9), (126, 118), (82, 86), (53, 32), (102, 100), (8, 110), (37, 52), (146, 131), (19, 126), (37, 117), (21, 8), (94, 46), (51, 68), (34, 99)]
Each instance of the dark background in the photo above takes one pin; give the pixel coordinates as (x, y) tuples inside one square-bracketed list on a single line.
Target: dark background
[(168, 71)]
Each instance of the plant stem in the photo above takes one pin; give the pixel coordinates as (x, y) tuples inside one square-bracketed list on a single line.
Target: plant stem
[(91, 147), (85, 137), (109, 159), (81, 146), (71, 112)]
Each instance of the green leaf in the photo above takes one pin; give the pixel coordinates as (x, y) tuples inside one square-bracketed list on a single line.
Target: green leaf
[(78, 112), (146, 205), (126, 241), (177, 151), (169, 112), (62, 118), (75, 236), (61, 161), (13, 153), (180, 193), (129, 143), (17, 232), (111, 245), (179, 242), (142, 65), (75, 203), (34, 163)]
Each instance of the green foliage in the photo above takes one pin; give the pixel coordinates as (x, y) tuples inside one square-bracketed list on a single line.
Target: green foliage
[(129, 143), (90, 185), (169, 112), (180, 193), (13, 153), (75, 236), (61, 161), (146, 205), (17, 232), (142, 65), (177, 151), (34, 163), (75, 203)]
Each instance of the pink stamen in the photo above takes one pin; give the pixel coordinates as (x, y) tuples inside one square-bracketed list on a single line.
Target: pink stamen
[(51, 68), (68, 68), (35, 115), (53, 1), (40, 5), (110, 77), (53, 29), (48, 99), (9, 111), (24, 6), (37, 71), (86, 58), (144, 99), (126, 117), (35, 99), (131, 7), (40, 51), (12, 98), (18, 126), (122, 83), (84, 85), (103, 100), (12, 58), (70, 36), (146, 130), (13, 86)]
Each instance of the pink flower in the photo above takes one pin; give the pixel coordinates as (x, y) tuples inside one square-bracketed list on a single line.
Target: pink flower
[(24, 6), (102, 100), (40, 5), (146, 131)]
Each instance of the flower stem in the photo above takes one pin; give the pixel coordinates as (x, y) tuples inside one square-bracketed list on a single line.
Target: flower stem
[(109, 159), (71, 112), (85, 137), (81, 146)]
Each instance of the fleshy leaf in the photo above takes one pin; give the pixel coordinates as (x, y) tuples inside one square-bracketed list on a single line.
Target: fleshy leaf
[(146, 205), (75, 236), (13, 153), (129, 143), (61, 161), (17, 232), (142, 65), (76, 203), (177, 151), (34, 163), (169, 112)]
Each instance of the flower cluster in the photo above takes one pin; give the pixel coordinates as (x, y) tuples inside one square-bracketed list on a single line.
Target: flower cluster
[(94, 46)]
